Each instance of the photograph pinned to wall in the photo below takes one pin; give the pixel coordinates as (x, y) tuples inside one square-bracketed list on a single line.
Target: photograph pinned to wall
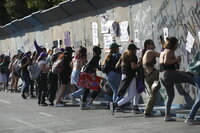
[(115, 29), (108, 39), (124, 37), (109, 26), (55, 43), (166, 33), (136, 36), (190, 42), (104, 20), (60, 43), (95, 33), (67, 39)]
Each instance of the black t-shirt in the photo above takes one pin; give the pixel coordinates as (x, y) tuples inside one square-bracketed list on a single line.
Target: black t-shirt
[(93, 64), (23, 61), (126, 67)]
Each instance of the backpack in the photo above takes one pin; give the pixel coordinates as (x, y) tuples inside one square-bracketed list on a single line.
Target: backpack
[(34, 71), (58, 66), (108, 66), (140, 79)]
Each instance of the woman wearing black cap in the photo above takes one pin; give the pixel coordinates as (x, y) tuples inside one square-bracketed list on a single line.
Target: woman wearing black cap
[(128, 83), (113, 75), (90, 68)]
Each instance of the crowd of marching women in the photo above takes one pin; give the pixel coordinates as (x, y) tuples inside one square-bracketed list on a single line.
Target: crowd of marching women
[(53, 74)]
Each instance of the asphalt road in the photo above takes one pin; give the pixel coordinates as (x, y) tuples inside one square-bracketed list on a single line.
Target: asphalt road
[(25, 116)]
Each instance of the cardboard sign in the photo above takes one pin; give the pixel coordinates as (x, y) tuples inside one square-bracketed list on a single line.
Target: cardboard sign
[(166, 33), (89, 81), (108, 39), (67, 40), (190, 42)]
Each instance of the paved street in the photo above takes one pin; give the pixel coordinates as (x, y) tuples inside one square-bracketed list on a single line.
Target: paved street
[(25, 116)]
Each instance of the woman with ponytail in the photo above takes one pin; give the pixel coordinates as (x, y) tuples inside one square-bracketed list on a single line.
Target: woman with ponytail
[(169, 75), (113, 75)]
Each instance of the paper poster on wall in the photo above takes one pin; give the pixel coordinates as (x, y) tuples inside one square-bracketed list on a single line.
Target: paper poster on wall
[(190, 42), (104, 20), (136, 37), (199, 35), (108, 39), (26, 42), (67, 40), (95, 33), (124, 37), (166, 33)]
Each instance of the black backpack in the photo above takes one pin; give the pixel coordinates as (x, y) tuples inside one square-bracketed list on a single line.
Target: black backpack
[(108, 66)]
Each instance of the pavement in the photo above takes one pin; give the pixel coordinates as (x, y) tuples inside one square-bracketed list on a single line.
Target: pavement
[(25, 116)]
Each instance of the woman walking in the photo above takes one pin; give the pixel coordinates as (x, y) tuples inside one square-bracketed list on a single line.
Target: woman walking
[(78, 62), (169, 75), (91, 68), (151, 74), (128, 83), (113, 75)]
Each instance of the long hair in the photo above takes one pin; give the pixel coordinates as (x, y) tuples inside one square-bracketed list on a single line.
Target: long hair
[(82, 53), (170, 43), (127, 55), (147, 43), (109, 55)]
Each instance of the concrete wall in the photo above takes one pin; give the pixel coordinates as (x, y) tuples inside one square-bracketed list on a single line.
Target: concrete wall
[(147, 16)]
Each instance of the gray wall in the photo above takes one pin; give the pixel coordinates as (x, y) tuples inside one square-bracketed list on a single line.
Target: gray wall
[(147, 16)]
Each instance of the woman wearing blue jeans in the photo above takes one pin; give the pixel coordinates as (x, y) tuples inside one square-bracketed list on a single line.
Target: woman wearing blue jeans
[(78, 62), (113, 75), (194, 67)]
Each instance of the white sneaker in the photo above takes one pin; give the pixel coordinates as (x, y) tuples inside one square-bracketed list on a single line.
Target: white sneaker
[(73, 100), (83, 106), (191, 121), (59, 105), (90, 105)]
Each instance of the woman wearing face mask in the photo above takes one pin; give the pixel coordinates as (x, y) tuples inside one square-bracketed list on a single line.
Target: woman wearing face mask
[(169, 75)]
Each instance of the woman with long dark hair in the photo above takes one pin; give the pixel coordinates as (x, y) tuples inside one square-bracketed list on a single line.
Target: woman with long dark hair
[(169, 75), (78, 62), (91, 68), (113, 75)]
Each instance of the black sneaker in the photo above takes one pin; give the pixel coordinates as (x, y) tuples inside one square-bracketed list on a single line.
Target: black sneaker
[(32, 96), (148, 115), (136, 110), (43, 104), (50, 104), (23, 96)]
